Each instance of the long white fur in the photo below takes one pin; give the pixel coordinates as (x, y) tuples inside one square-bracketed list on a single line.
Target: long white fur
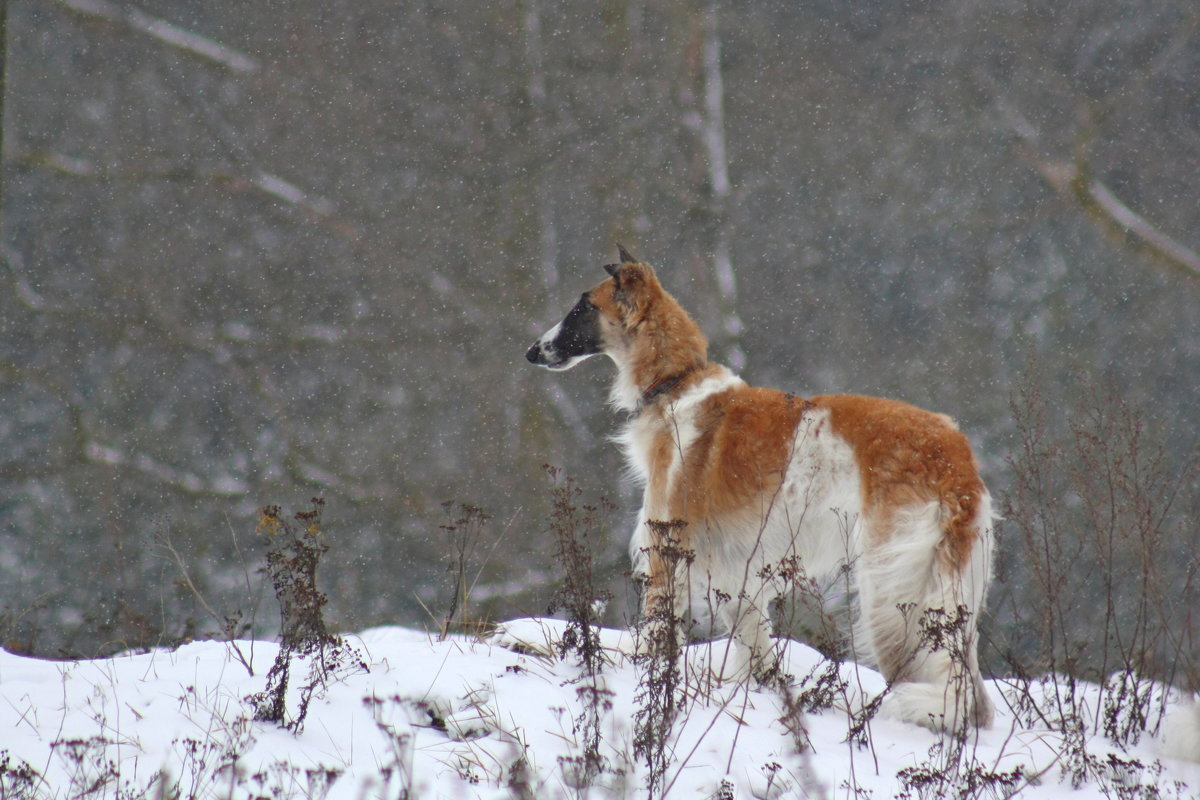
[(897, 581), (816, 515)]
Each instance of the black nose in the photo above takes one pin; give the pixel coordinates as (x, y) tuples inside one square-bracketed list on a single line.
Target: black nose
[(533, 354)]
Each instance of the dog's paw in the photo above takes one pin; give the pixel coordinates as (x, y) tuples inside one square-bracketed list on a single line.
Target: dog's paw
[(932, 706)]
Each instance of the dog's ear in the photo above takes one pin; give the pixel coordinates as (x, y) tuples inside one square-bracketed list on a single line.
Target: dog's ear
[(634, 284), (616, 270)]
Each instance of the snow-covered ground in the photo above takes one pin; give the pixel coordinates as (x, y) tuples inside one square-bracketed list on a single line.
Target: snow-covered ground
[(463, 718)]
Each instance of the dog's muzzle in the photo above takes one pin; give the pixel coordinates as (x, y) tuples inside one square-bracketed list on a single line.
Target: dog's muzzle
[(544, 354)]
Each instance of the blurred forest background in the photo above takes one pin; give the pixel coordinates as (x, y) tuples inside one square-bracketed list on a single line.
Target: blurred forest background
[(259, 252)]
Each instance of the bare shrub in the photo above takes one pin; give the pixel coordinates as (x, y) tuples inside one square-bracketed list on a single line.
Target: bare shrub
[(293, 554), (18, 780), (803, 608), (658, 698), (574, 528), (1101, 520), (951, 772), (464, 533)]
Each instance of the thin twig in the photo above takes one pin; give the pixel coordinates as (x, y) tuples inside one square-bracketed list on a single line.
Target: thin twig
[(164, 541)]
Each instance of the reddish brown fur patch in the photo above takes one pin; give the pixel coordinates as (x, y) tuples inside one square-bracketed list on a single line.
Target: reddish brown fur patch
[(907, 455), (663, 339), (661, 455), (601, 296), (739, 458)]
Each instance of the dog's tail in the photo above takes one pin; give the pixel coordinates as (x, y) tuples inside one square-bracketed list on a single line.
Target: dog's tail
[(921, 589), (1181, 730)]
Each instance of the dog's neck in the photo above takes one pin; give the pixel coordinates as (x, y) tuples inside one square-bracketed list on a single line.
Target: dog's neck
[(658, 354), (626, 394), (664, 386), (634, 397)]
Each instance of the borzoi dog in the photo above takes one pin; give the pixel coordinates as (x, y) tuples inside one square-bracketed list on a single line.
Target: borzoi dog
[(748, 478)]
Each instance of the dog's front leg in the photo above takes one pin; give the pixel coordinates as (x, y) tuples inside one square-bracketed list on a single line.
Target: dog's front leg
[(665, 602), (662, 631), (752, 652)]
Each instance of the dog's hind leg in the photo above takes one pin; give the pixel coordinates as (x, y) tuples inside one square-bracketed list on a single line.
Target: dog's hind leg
[(920, 601)]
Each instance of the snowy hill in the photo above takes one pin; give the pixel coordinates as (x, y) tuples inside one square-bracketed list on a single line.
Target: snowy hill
[(408, 716)]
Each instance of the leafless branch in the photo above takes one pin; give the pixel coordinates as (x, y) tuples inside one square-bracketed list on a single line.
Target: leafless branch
[(1074, 181), (1122, 222), (165, 32)]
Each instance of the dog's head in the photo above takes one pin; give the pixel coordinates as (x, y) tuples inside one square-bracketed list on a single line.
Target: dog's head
[(604, 320)]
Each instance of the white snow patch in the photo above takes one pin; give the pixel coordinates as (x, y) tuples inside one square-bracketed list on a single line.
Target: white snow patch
[(474, 719)]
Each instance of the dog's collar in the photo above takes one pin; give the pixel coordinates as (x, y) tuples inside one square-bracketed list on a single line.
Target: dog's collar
[(663, 385)]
